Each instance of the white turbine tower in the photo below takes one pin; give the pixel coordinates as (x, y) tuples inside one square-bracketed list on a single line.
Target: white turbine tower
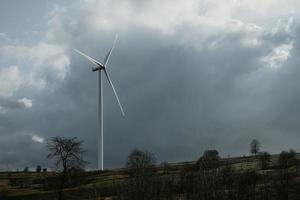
[(102, 67)]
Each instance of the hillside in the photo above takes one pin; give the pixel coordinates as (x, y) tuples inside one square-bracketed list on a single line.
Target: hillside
[(179, 178)]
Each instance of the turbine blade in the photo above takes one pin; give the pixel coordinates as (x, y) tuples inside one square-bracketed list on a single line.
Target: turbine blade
[(113, 88), (95, 62), (110, 51)]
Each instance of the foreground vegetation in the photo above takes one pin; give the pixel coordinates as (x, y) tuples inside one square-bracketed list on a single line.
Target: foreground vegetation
[(207, 179), (258, 177)]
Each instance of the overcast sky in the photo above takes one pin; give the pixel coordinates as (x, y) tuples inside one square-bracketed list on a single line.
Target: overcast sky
[(191, 75)]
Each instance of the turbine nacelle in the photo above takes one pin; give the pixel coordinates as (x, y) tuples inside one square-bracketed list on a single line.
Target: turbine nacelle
[(94, 69)]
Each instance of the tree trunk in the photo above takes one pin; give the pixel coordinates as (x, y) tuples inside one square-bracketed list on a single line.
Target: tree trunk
[(62, 184)]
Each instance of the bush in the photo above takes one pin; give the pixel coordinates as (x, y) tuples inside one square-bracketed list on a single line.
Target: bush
[(287, 159), (264, 158), (209, 160)]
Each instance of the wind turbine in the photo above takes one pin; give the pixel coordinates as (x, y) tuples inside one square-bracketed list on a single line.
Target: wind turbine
[(102, 68)]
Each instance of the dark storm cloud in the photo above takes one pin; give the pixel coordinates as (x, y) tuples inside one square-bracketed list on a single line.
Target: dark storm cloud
[(183, 90)]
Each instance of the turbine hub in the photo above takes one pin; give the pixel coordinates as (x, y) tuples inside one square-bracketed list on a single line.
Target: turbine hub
[(94, 69)]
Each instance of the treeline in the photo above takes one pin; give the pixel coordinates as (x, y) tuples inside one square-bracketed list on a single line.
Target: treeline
[(212, 179)]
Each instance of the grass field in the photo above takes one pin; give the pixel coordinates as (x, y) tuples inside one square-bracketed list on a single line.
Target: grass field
[(89, 185)]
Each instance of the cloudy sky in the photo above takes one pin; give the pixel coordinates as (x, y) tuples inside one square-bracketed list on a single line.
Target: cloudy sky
[(191, 75)]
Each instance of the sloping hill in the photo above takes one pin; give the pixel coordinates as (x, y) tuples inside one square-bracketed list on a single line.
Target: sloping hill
[(109, 183)]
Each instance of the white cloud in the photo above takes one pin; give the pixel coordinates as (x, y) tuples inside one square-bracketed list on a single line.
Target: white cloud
[(193, 23), (37, 139), (26, 102), (40, 65), (278, 56), (10, 80), (42, 59), (167, 15), (283, 25)]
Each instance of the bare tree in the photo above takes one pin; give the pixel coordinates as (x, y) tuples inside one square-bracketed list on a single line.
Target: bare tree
[(67, 153), (254, 146), (141, 167)]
